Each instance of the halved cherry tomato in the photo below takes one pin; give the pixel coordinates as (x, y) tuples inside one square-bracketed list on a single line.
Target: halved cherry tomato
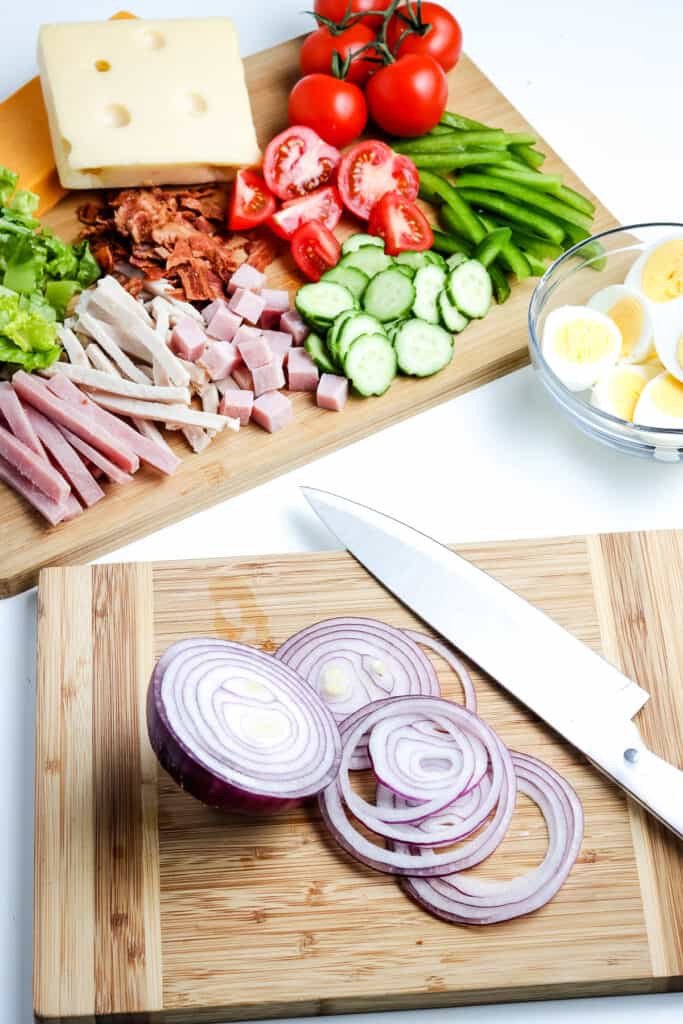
[(297, 161), (370, 169), (335, 10), (315, 249), (323, 205), (251, 202), (401, 223), (335, 109), (409, 96), (442, 39), (318, 49)]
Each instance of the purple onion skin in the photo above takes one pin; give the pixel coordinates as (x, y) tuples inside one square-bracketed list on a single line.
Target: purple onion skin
[(193, 777)]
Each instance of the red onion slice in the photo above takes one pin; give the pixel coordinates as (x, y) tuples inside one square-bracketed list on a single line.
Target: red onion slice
[(463, 899), (237, 728), (404, 859), (456, 663)]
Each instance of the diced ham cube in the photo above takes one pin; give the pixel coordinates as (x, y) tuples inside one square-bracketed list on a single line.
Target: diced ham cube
[(246, 333), (248, 305), (188, 339), (248, 278), (270, 377), (277, 303), (255, 352), (302, 373), (213, 308), (219, 359), (279, 341), (237, 404), (243, 378), (293, 324), (272, 411), (332, 392), (224, 324), (226, 384)]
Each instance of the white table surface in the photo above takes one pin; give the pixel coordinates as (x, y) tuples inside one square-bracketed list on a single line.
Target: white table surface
[(601, 80)]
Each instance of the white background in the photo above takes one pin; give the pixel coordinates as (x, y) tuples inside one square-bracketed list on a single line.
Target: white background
[(601, 81)]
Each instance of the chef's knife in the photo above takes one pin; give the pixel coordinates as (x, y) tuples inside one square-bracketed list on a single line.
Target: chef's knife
[(574, 690)]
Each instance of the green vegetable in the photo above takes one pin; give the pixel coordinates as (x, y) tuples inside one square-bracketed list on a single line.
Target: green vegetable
[(518, 213), (454, 161), (540, 247), (8, 183), (527, 155), (461, 123), (538, 267), (533, 197), (491, 246), (501, 285), (593, 253), (573, 198), (544, 182), (59, 294), (463, 220), (26, 337), (451, 243)]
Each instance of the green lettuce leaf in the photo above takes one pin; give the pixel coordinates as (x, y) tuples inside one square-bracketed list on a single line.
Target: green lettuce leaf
[(8, 183)]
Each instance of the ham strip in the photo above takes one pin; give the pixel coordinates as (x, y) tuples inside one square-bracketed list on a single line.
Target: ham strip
[(34, 467), (175, 414), (116, 475), (51, 510), (150, 430), (155, 455), (34, 391), (17, 420), (96, 380), (73, 468), (104, 336)]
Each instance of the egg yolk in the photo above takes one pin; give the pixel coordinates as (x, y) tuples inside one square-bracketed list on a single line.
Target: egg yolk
[(667, 395), (628, 315), (662, 278), (583, 341), (624, 390)]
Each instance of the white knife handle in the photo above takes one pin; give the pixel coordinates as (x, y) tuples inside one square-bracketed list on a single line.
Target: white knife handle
[(652, 781)]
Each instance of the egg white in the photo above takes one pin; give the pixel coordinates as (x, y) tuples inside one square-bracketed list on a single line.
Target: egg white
[(578, 375), (651, 414), (634, 278), (620, 386), (607, 298)]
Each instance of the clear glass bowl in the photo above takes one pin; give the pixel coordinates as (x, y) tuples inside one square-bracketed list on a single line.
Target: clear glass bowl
[(571, 280)]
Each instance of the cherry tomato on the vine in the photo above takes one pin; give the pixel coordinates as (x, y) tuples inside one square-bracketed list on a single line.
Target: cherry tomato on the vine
[(335, 109), (335, 10), (409, 96), (318, 49), (442, 40)]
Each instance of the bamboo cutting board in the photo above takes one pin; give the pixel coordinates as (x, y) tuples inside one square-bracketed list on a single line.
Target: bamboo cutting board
[(148, 903), (232, 463)]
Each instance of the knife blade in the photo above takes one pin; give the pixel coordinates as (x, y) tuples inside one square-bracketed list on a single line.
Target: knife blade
[(577, 692)]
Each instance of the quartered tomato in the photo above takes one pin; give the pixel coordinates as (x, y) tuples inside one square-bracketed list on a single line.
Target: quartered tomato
[(409, 96), (318, 49), (251, 203), (401, 223), (297, 161), (370, 169), (437, 33), (315, 249), (323, 205), (335, 10), (335, 109)]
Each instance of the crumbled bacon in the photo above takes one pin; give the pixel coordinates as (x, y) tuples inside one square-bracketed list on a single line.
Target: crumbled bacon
[(175, 233)]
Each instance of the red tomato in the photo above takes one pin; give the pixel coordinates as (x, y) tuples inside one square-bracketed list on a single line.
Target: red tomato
[(401, 223), (442, 39), (318, 49), (370, 169), (336, 110), (251, 202), (297, 161), (335, 10), (409, 96), (323, 205), (315, 249)]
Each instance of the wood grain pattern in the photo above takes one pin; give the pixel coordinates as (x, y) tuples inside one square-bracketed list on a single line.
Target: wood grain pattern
[(267, 918), (232, 464)]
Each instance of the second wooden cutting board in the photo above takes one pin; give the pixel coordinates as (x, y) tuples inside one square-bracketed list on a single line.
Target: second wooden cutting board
[(486, 350), (149, 903)]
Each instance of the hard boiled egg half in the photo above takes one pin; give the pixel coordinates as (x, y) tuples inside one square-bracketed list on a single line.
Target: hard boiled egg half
[(658, 275), (619, 388), (630, 312), (579, 344), (661, 403)]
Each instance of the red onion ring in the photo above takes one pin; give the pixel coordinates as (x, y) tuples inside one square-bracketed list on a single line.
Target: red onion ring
[(403, 859), (465, 900), (451, 659), (239, 729)]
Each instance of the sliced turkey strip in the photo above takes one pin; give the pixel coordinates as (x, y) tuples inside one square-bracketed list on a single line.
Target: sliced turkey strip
[(105, 336), (72, 346), (66, 457), (98, 381), (161, 288), (99, 360), (150, 430), (176, 414)]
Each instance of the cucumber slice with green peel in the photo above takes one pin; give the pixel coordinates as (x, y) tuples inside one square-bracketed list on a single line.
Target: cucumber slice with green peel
[(321, 302), (469, 288), (405, 269), (361, 323), (451, 317), (369, 259), (455, 260), (370, 364), (359, 241), (429, 282), (389, 296), (335, 329), (317, 350), (436, 258), (350, 277), (394, 327), (413, 259), (422, 348)]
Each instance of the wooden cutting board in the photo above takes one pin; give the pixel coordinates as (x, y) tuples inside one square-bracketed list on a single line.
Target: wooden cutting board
[(147, 902), (232, 463)]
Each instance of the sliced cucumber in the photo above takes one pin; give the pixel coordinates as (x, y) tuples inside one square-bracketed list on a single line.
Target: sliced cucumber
[(335, 330), (469, 288), (315, 346), (393, 328), (352, 278), (321, 302), (361, 323), (389, 295), (359, 241), (409, 258), (451, 316), (429, 282), (405, 269), (370, 364), (436, 258), (369, 259), (422, 348), (455, 260)]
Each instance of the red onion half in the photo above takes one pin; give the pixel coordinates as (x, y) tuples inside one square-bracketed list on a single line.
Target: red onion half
[(462, 899), (239, 729)]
